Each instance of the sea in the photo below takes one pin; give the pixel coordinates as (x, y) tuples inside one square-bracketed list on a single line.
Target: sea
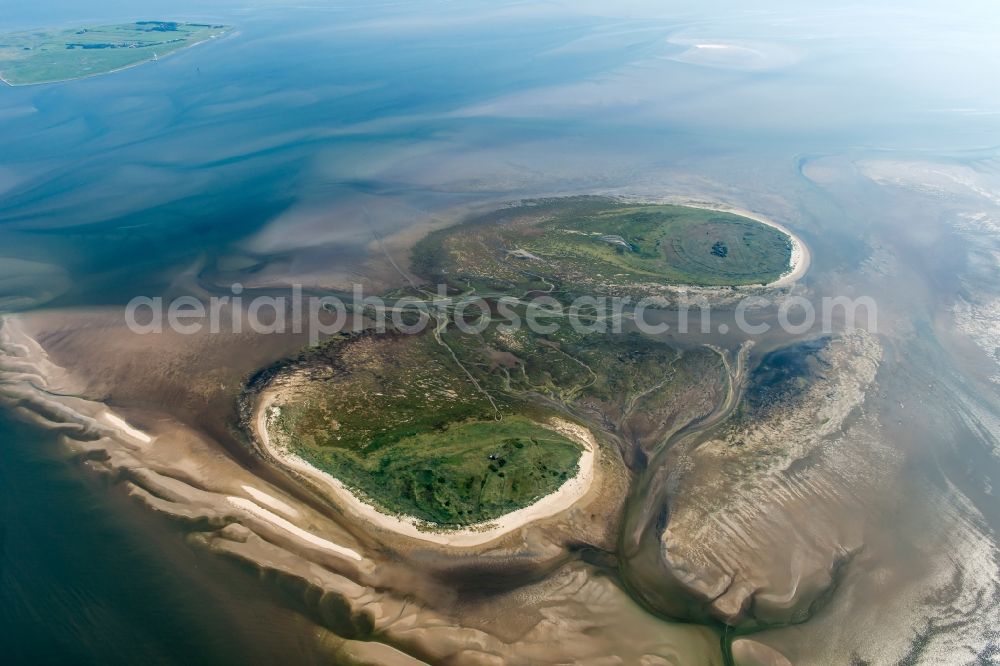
[(285, 147)]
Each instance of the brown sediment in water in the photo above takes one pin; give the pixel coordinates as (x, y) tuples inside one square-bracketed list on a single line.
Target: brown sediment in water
[(347, 575)]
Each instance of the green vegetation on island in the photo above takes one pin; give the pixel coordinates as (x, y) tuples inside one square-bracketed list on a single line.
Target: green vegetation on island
[(50, 56), (604, 246), (454, 426), (393, 417)]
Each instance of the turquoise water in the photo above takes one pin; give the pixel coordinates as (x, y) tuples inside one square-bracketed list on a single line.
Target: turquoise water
[(357, 118), (290, 143)]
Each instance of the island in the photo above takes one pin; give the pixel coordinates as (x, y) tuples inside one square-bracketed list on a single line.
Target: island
[(471, 424), (51, 56), (606, 246)]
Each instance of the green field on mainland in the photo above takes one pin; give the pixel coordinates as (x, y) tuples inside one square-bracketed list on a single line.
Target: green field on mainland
[(50, 56)]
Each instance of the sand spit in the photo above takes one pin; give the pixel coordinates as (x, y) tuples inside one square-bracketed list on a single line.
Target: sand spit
[(260, 512), (122, 425), (40, 392), (270, 501), (562, 499)]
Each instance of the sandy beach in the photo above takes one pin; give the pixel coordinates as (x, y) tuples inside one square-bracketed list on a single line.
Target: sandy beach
[(798, 263), (563, 498)]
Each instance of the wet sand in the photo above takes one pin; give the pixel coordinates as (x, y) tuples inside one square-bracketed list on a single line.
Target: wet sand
[(234, 512)]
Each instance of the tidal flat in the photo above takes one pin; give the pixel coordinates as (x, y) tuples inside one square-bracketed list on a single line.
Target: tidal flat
[(448, 426)]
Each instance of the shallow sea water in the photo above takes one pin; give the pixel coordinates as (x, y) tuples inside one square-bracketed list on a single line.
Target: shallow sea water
[(291, 145)]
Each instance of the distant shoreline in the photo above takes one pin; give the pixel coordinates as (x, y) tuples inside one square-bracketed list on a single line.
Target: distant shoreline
[(117, 69)]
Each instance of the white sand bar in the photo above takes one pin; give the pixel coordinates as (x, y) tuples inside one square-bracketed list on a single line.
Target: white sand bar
[(260, 512), (122, 425), (270, 501)]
